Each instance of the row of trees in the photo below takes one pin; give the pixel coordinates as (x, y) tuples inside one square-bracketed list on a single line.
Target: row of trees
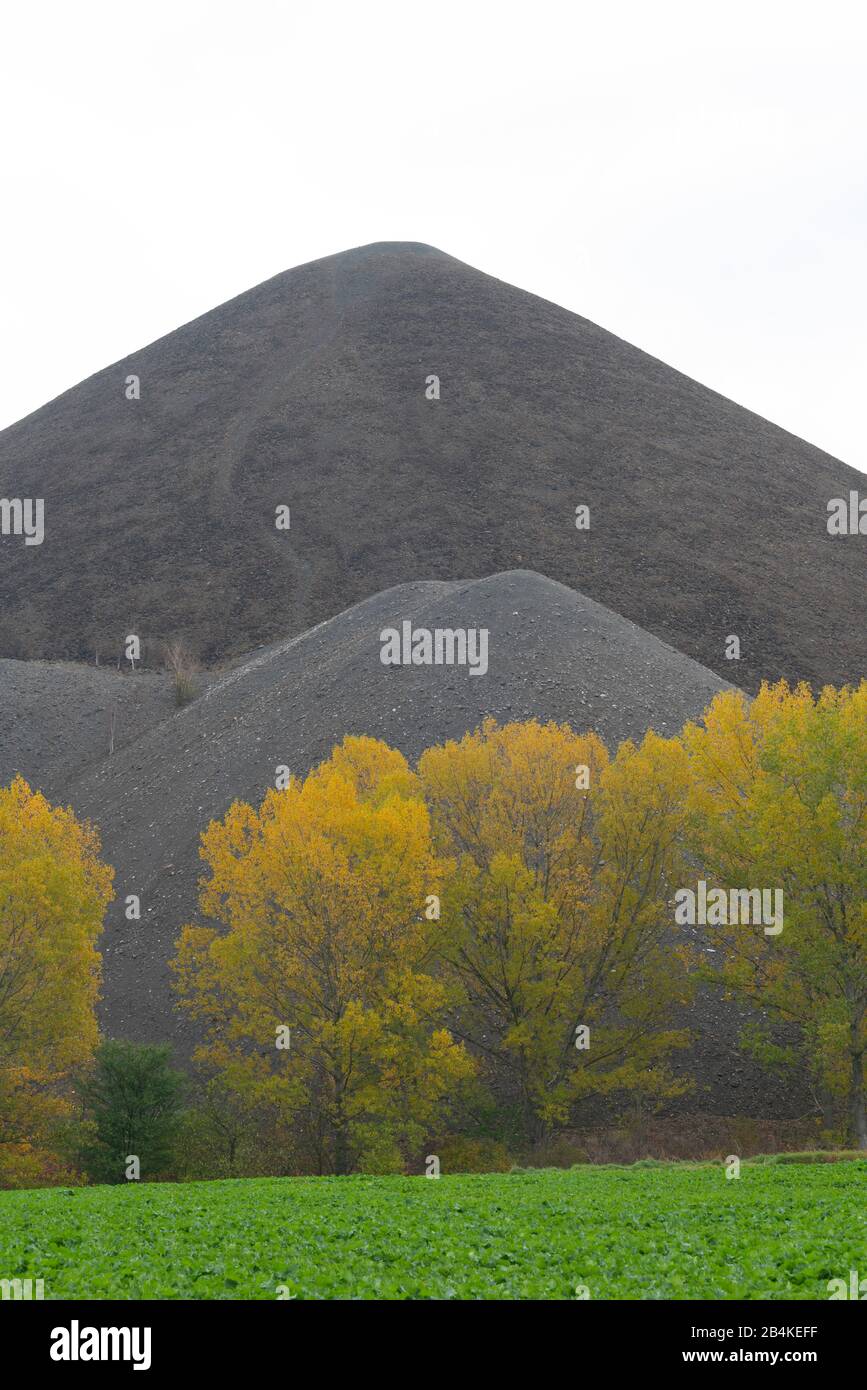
[(545, 967), (475, 945)]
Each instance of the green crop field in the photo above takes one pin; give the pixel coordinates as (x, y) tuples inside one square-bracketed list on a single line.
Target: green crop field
[(668, 1231)]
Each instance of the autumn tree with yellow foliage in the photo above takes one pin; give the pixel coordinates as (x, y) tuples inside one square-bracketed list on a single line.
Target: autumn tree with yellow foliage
[(53, 894), (314, 984), (555, 920), (779, 800)]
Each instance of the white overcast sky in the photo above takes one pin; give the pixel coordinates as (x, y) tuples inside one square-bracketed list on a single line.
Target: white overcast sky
[(691, 176)]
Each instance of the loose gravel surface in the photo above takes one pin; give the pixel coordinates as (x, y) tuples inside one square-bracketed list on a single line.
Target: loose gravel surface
[(57, 719)]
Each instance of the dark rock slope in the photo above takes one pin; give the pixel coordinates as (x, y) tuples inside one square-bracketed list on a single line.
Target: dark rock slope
[(309, 391), (58, 718)]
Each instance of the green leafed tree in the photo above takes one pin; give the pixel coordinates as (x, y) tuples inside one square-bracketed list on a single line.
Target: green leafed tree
[(132, 1098)]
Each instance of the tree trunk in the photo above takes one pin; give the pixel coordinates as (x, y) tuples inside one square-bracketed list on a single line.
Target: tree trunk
[(341, 1131), (535, 1129), (341, 1149), (857, 1111)]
